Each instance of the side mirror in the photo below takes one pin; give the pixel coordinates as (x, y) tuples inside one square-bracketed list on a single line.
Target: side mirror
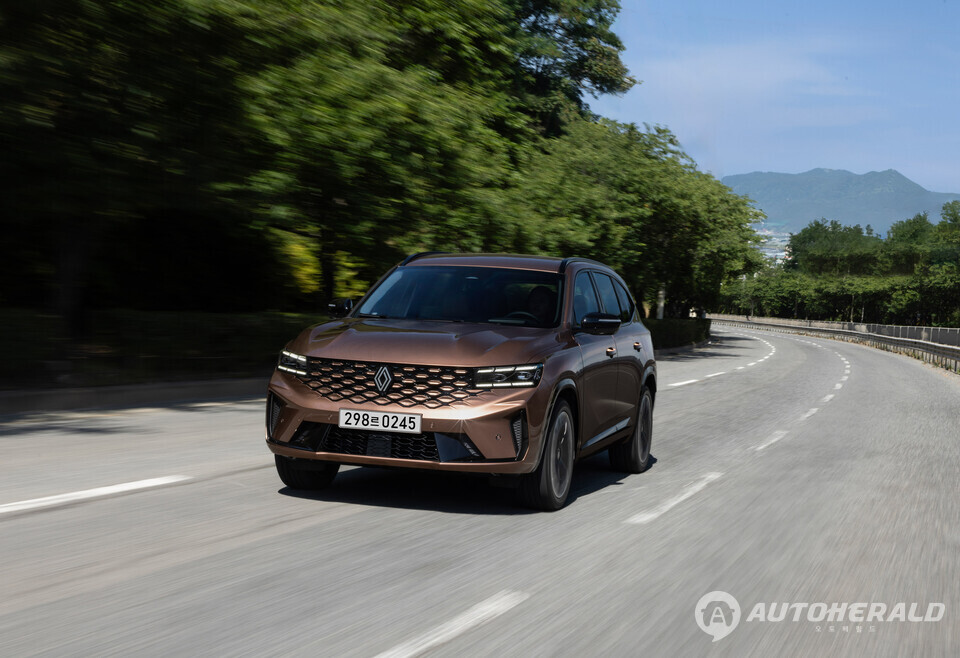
[(600, 323), (340, 307)]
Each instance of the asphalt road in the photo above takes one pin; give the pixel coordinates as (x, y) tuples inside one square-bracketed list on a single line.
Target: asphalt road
[(788, 471)]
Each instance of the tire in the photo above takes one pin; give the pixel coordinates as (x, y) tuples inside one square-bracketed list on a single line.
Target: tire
[(548, 487), (313, 476), (633, 454)]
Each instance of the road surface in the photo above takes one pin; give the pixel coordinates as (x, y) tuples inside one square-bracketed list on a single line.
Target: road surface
[(788, 470)]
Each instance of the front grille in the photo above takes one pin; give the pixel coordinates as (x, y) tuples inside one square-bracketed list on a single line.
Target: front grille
[(388, 383), (380, 444)]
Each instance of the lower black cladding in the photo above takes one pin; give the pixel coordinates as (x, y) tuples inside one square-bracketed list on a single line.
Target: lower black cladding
[(395, 445), (322, 437), (274, 407)]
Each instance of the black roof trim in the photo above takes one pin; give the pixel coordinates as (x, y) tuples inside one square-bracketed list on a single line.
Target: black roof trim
[(576, 259), (413, 257)]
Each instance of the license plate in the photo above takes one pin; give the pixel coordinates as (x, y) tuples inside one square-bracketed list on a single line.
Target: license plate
[(383, 421)]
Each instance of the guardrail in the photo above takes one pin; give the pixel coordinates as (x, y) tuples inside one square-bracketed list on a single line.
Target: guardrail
[(938, 353)]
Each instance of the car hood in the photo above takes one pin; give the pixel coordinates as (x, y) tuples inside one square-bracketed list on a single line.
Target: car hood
[(425, 343)]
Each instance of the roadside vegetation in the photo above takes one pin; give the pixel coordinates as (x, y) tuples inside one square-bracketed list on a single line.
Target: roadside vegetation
[(847, 273), (228, 156)]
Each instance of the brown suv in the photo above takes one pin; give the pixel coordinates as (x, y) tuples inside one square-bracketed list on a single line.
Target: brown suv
[(479, 363)]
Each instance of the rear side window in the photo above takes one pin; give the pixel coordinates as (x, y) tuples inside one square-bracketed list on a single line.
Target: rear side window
[(584, 297), (608, 295), (626, 304)]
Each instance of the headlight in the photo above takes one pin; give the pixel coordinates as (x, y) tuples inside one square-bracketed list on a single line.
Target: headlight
[(509, 376), (290, 362)]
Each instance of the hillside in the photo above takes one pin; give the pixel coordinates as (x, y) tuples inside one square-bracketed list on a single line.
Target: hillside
[(877, 198)]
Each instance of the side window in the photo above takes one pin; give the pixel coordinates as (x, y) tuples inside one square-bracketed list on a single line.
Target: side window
[(584, 297), (607, 293), (626, 304)]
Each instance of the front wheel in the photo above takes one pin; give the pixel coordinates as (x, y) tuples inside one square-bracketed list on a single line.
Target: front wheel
[(548, 487), (311, 476), (633, 454)]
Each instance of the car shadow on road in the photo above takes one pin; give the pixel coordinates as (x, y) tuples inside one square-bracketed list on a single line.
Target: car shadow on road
[(452, 493)]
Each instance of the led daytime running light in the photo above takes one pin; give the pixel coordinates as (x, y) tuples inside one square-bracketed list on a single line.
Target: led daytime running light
[(523, 376)]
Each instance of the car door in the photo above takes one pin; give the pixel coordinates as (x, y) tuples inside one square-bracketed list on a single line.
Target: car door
[(599, 377), (629, 368)]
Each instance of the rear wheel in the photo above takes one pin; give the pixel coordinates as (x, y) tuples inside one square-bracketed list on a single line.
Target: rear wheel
[(633, 454), (309, 476), (548, 487)]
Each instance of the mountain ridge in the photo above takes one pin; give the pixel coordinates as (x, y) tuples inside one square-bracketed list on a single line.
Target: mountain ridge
[(877, 198)]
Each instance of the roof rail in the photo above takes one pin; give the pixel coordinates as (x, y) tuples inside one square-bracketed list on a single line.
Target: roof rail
[(413, 257), (577, 259)]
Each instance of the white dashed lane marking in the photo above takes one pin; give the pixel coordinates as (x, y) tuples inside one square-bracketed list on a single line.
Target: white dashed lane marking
[(666, 506), (776, 436), (87, 494), (809, 413), (773, 350), (481, 613)]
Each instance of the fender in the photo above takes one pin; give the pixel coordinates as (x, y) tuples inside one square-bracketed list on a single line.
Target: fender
[(650, 373), (567, 383)]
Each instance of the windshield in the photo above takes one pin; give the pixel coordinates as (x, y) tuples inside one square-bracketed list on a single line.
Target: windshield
[(467, 294)]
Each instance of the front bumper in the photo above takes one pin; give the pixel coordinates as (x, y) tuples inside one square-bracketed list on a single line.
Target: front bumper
[(478, 435)]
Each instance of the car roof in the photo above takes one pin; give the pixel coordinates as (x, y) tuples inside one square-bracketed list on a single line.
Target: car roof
[(509, 261)]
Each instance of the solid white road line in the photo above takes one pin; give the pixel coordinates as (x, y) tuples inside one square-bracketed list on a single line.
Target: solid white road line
[(693, 489), (689, 381), (776, 436), (481, 613), (61, 499)]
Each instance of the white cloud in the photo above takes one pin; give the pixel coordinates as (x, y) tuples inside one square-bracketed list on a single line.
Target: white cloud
[(750, 105), (765, 84)]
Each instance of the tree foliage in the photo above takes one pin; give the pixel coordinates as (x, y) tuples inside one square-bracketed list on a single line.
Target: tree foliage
[(226, 154), (838, 272)]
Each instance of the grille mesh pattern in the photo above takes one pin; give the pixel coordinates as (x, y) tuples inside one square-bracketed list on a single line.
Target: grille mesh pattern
[(410, 385), (378, 444)]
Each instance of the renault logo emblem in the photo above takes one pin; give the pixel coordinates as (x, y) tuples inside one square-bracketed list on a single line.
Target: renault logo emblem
[(383, 378)]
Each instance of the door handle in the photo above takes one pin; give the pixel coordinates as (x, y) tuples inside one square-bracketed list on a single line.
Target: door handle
[(611, 351), (637, 346)]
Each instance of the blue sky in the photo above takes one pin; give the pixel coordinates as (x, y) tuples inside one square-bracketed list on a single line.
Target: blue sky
[(790, 86)]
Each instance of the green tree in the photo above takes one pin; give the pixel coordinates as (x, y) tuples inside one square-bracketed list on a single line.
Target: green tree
[(908, 245), (371, 159), (567, 50), (119, 119), (633, 199)]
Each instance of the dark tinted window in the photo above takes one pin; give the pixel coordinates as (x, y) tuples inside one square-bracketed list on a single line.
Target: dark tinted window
[(467, 294), (584, 297), (626, 304), (607, 293)]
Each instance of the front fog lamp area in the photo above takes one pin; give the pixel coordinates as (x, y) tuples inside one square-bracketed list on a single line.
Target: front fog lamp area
[(509, 376), (290, 362)]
